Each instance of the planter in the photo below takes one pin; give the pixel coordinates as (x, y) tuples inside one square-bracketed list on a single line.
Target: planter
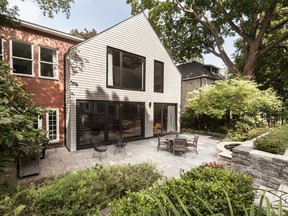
[(28, 166)]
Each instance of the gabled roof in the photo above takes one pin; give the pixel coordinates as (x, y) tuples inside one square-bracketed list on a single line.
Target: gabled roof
[(195, 70), (142, 14)]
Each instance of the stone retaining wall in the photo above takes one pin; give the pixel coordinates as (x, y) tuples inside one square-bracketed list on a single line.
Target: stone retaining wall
[(268, 169)]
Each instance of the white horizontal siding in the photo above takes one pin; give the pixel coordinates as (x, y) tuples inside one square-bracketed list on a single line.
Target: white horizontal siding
[(136, 36)]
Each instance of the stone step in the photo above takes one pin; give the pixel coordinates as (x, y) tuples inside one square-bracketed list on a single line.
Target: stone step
[(273, 196)]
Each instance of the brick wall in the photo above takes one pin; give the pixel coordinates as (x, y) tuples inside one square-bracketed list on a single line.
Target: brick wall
[(47, 93), (190, 85)]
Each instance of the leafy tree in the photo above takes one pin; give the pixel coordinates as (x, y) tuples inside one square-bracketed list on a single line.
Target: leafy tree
[(192, 27), (18, 115), (85, 34), (8, 15), (271, 69), (238, 100)]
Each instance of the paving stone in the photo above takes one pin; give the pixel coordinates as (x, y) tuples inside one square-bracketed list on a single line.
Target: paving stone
[(59, 161)]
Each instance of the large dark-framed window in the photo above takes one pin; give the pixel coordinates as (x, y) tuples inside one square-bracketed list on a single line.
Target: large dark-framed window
[(125, 70), (101, 121), (158, 76)]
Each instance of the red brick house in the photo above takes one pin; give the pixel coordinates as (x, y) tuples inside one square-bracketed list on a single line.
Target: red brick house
[(36, 54)]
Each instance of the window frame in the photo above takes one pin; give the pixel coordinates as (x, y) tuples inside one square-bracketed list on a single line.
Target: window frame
[(57, 140), (121, 87), (21, 58), (155, 61), (56, 74)]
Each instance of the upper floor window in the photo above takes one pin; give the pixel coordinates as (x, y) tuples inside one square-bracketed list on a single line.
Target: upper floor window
[(125, 70), (48, 65), (1, 49), (158, 76), (22, 58)]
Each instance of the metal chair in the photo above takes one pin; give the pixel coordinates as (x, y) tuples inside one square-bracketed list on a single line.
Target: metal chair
[(194, 143), (120, 143), (98, 148), (180, 145), (162, 141)]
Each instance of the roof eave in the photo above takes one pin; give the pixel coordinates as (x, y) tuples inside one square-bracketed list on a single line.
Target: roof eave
[(50, 31)]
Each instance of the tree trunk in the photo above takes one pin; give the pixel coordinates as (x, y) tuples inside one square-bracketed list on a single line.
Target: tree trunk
[(250, 63)]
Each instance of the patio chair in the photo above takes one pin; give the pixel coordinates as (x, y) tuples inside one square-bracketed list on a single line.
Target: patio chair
[(180, 145), (162, 142), (194, 143), (173, 132), (120, 143), (98, 148), (176, 133)]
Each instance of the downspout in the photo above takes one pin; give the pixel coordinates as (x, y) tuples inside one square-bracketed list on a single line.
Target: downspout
[(65, 114)]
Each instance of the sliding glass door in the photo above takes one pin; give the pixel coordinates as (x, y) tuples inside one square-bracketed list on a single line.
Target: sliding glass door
[(91, 123), (100, 121), (164, 118)]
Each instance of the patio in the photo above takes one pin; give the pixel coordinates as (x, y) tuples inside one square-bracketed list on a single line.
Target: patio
[(59, 161)]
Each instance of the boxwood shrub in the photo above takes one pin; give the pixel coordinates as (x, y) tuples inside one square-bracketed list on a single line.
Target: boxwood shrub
[(201, 191), (275, 142), (80, 193)]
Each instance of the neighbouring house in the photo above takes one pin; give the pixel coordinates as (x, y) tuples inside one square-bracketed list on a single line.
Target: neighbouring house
[(120, 81), (194, 76), (36, 55)]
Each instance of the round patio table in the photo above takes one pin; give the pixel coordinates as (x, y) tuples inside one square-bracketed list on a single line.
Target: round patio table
[(170, 139)]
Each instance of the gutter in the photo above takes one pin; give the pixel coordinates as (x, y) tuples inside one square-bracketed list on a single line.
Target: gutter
[(50, 31)]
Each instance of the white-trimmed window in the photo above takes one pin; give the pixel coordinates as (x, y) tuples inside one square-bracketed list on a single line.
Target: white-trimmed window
[(52, 125), (48, 63), (1, 49), (21, 58)]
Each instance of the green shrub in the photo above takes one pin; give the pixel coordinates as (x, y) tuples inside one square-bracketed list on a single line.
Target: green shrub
[(136, 203), (146, 203), (236, 136), (275, 142), (81, 193), (255, 132), (196, 188)]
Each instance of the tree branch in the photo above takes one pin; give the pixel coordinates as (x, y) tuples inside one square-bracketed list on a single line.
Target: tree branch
[(232, 24), (255, 23), (278, 26), (265, 24), (212, 51), (274, 44), (206, 23)]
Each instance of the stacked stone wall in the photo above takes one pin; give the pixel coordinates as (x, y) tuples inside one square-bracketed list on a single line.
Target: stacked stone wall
[(268, 169)]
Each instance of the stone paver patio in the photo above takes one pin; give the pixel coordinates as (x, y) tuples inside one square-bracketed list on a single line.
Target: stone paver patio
[(59, 161)]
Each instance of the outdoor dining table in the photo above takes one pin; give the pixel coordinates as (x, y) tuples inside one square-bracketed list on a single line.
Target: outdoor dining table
[(170, 138)]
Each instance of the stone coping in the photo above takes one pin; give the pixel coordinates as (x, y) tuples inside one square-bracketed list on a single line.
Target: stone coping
[(247, 148), (223, 152)]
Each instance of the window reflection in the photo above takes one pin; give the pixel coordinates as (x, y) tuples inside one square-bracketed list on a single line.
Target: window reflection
[(101, 121)]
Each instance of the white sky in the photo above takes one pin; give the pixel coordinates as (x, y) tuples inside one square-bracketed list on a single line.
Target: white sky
[(97, 14)]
